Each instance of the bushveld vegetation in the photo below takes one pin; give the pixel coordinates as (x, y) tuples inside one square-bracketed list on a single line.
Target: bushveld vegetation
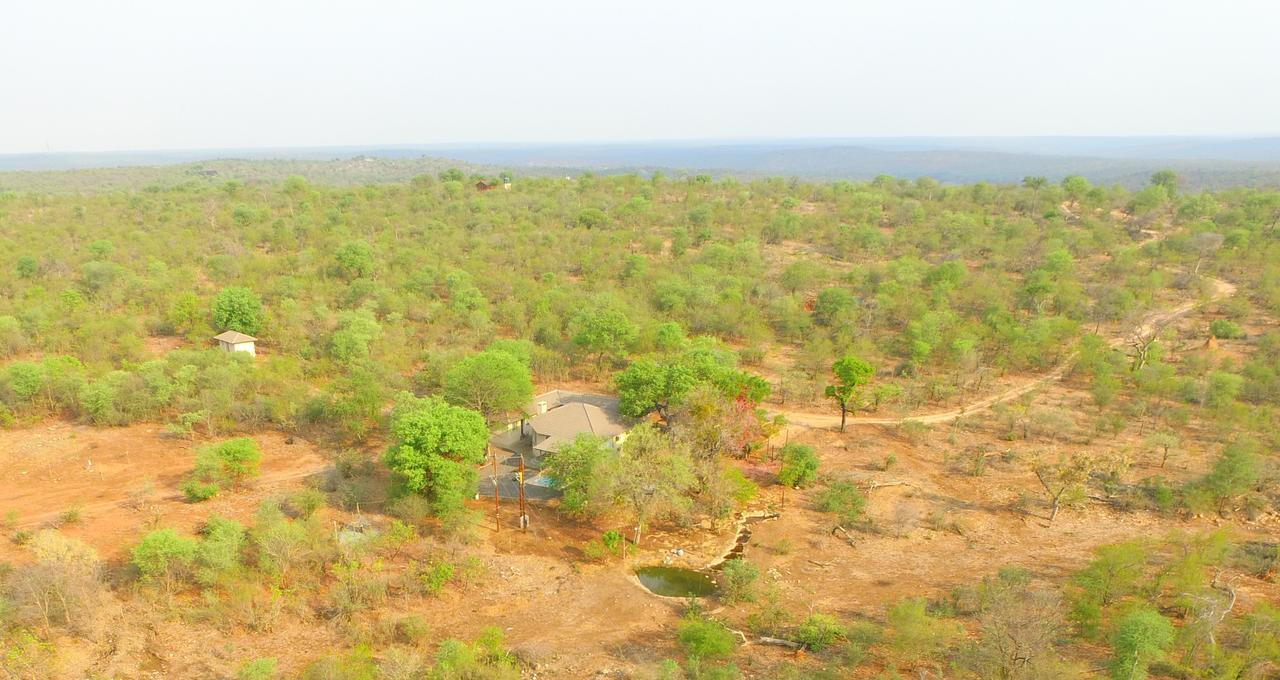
[(414, 318)]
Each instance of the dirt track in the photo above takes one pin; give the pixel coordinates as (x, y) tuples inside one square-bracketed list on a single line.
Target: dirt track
[(807, 419)]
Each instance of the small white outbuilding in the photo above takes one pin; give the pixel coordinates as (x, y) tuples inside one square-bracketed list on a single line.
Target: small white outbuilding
[(235, 341)]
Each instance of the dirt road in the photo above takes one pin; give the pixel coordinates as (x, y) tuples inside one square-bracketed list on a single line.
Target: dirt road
[(1152, 324)]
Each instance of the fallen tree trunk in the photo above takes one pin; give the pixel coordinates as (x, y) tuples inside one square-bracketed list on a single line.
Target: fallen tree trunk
[(766, 640), (780, 642)]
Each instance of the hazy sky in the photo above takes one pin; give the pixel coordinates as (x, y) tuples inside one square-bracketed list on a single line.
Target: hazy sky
[(175, 74)]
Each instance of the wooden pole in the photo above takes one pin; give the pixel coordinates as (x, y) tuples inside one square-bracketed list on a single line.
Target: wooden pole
[(524, 516), (497, 521)]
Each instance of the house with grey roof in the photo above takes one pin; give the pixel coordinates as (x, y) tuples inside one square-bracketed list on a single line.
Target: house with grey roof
[(235, 341), (552, 420)]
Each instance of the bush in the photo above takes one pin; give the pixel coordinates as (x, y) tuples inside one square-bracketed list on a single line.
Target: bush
[(613, 540), (1140, 638), (258, 669), (738, 579), (411, 629), (60, 588), (163, 555), (219, 552), (844, 500), (1225, 329), (229, 462), (705, 639), (799, 466), (435, 577), (197, 491), (594, 550), (821, 631), (305, 502)]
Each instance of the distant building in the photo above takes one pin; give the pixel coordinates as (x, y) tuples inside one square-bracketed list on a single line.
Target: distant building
[(235, 341)]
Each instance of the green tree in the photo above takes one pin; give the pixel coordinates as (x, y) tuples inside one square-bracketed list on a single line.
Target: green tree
[(1077, 187), (1141, 637), (1168, 179), (799, 465), (851, 374), (228, 462), (915, 635), (580, 470), (356, 331), (646, 386), (1164, 441), (491, 382), (237, 309), (186, 313), (219, 551), (653, 474), (27, 267), (1235, 472), (605, 333), (163, 556), (436, 448), (355, 259), (738, 580), (592, 218)]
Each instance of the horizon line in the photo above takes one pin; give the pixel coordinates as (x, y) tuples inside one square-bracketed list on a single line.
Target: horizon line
[(696, 141)]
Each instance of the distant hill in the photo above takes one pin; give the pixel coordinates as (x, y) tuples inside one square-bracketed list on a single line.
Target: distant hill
[(1204, 162)]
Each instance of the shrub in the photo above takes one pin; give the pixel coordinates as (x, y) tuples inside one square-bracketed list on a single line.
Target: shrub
[(411, 508), (197, 491), (305, 502), (60, 588), (484, 658), (219, 552), (751, 356), (435, 577), (1141, 637), (1226, 329), (594, 551), (820, 631), (799, 465), (916, 634), (738, 578), (163, 555), (705, 639), (410, 629), (613, 541), (258, 669), (237, 458), (844, 500), (229, 462)]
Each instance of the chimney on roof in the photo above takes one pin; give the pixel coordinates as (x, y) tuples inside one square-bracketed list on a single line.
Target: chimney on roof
[(542, 407)]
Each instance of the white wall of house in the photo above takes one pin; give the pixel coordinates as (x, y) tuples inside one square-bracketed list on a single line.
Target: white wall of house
[(246, 347)]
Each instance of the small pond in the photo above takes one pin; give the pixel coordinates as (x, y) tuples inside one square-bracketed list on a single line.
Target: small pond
[(676, 582)]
